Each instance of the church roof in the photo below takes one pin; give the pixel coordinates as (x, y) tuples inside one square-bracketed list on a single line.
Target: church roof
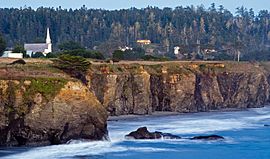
[(36, 47)]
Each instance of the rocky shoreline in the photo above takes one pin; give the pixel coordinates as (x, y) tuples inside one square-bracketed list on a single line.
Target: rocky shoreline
[(44, 107), (157, 114)]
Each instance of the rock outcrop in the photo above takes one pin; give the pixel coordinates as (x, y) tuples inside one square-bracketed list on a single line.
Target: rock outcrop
[(123, 93), (48, 111), (180, 87), (208, 137), (143, 133)]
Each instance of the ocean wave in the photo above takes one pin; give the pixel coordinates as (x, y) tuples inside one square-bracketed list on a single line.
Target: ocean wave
[(183, 125), (80, 149)]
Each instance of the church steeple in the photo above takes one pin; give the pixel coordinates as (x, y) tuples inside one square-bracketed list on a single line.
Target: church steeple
[(48, 39), (48, 42)]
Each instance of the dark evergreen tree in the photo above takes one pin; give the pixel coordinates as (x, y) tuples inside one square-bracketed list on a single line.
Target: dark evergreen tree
[(2, 45), (190, 27), (69, 45), (38, 55)]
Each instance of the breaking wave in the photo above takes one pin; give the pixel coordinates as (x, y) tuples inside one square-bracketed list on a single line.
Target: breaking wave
[(184, 125)]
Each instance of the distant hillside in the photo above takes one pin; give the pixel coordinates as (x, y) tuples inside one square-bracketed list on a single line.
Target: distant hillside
[(190, 28)]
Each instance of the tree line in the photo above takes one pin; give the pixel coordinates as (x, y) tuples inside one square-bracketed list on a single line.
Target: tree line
[(191, 28)]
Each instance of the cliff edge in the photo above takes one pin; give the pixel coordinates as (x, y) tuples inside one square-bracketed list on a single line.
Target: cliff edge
[(43, 106), (180, 86)]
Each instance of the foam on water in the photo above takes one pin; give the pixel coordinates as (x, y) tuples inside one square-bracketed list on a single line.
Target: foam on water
[(193, 124), (79, 149), (183, 125)]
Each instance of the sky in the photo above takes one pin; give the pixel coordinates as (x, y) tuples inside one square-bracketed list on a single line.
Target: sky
[(120, 4)]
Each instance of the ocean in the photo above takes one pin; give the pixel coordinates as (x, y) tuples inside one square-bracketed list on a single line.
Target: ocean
[(245, 133)]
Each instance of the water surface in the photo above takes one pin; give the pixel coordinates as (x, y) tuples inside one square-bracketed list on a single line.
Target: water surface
[(246, 137)]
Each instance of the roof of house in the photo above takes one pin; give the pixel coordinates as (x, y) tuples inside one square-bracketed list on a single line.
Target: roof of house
[(36, 47)]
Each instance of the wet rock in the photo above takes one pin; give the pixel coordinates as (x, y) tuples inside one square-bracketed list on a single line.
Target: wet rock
[(169, 136), (143, 133), (208, 137)]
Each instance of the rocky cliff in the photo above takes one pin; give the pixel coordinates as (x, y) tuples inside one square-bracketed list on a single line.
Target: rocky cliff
[(179, 87), (43, 111), (41, 105)]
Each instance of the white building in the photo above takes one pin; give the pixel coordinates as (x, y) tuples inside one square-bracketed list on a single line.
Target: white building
[(176, 50), (45, 48), (125, 48), (10, 54)]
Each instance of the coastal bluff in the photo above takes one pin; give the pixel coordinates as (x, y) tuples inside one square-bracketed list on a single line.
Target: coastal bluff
[(184, 87), (42, 105)]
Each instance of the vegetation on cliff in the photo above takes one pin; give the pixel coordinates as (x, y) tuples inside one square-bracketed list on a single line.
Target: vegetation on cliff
[(75, 66), (48, 87), (48, 111), (42, 105), (28, 89)]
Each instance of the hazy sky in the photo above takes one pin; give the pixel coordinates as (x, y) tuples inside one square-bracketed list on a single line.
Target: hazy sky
[(118, 4)]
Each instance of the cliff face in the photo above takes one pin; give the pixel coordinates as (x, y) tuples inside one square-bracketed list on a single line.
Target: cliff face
[(173, 92), (40, 105), (179, 88), (122, 94), (48, 111)]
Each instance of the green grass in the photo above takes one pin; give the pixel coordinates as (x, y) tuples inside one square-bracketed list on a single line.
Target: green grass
[(48, 87), (154, 69)]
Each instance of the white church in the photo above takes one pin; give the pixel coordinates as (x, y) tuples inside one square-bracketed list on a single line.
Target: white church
[(45, 48)]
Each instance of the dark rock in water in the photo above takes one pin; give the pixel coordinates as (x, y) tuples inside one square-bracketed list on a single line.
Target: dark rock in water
[(266, 125), (20, 61), (143, 133), (168, 136), (209, 137)]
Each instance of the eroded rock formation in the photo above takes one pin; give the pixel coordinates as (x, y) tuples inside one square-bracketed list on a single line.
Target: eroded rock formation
[(180, 88), (48, 111)]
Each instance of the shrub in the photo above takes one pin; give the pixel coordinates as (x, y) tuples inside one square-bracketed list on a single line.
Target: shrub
[(134, 54), (118, 55), (154, 58), (38, 55), (51, 55), (84, 53), (20, 61), (75, 66)]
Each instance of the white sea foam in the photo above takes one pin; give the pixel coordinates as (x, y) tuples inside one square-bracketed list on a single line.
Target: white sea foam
[(80, 149), (93, 148), (183, 125)]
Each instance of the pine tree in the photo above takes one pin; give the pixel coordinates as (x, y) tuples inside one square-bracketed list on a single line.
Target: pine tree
[(2, 45)]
